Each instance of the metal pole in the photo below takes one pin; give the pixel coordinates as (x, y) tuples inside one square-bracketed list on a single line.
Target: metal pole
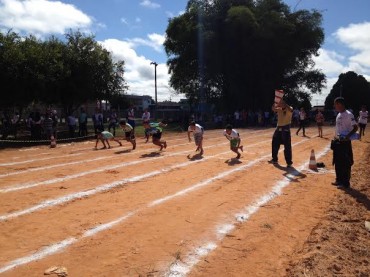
[(155, 88)]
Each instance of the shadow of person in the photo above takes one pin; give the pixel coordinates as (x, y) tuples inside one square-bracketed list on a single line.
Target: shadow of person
[(150, 155), (233, 161), (291, 173), (195, 157), (359, 197), (123, 151)]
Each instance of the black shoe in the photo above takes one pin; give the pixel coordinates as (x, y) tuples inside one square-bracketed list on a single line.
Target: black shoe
[(335, 183), (289, 165), (273, 161)]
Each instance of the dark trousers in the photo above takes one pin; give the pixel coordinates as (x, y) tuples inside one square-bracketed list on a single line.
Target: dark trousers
[(112, 125), (343, 161), (82, 129), (282, 136), (302, 126)]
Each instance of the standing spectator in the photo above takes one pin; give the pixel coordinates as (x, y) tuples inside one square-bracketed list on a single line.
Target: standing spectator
[(146, 116), (54, 117), (362, 120), (131, 116), (98, 120), (82, 123), (296, 118), (113, 121), (236, 118), (282, 133), (302, 122), (48, 125), (35, 124), (320, 121), (71, 121), (266, 118), (15, 123), (6, 124), (260, 118), (345, 127)]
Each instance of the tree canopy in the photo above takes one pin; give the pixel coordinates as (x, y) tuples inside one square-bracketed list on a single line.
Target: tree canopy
[(67, 73), (237, 52), (353, 87)]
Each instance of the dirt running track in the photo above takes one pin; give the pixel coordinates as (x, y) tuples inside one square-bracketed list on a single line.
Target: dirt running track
[(119, 212)]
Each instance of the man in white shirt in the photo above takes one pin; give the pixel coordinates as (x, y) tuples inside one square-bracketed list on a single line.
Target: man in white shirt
[(345, 127), (146, 116), (233, 136), (362, 120), (198, 132)]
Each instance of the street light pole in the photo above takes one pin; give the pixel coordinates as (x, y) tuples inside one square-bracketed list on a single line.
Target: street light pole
[(155, 88)]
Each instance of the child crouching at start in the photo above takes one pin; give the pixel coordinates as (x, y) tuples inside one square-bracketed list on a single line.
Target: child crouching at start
[(233, 136), (155, 130), (105, 137)]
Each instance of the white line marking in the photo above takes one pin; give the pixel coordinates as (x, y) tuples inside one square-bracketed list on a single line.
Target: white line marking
[(182, 268), (51, 166), (101, 169), (42, 159), (57, 247), (78, 162), (107, 187)]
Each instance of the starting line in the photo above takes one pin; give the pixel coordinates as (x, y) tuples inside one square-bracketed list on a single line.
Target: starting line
[(59, 246)]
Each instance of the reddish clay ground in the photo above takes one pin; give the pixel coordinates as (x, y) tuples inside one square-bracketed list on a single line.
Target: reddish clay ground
[(119, 212)]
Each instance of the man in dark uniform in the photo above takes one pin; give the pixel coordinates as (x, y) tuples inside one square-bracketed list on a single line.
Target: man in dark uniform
[(282, 133), (345, 127)]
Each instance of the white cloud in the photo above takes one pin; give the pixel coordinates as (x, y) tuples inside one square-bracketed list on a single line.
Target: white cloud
[(329, 62), (137, 19), (154, 41), (41, 17), (150, 4), (357, 38), (139, 73), (124, 21)]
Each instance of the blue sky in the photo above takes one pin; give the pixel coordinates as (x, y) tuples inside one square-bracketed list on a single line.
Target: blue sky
[(133, 30)]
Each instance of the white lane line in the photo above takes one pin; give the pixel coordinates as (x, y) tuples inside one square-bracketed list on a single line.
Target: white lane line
[(182, 268), (42, 159), (97, 170), (52, 166), (79, 162), (106, 187), (59, 246)]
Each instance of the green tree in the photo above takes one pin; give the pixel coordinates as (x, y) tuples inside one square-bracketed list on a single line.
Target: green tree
[(353, 87), (239, 51), (67, 73)]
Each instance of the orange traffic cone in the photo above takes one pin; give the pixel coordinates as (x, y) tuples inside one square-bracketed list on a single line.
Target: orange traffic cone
[(312, 165), (53, 142)]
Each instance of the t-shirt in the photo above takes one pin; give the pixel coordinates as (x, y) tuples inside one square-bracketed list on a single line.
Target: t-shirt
[(198, 129), (363, 117), (83, 118), (146, 116), (284, 117), (320, 118), (127, 128), (107, 135), (302, 115), (344, 123), (234, 134), (154, 128), (131, 114)]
